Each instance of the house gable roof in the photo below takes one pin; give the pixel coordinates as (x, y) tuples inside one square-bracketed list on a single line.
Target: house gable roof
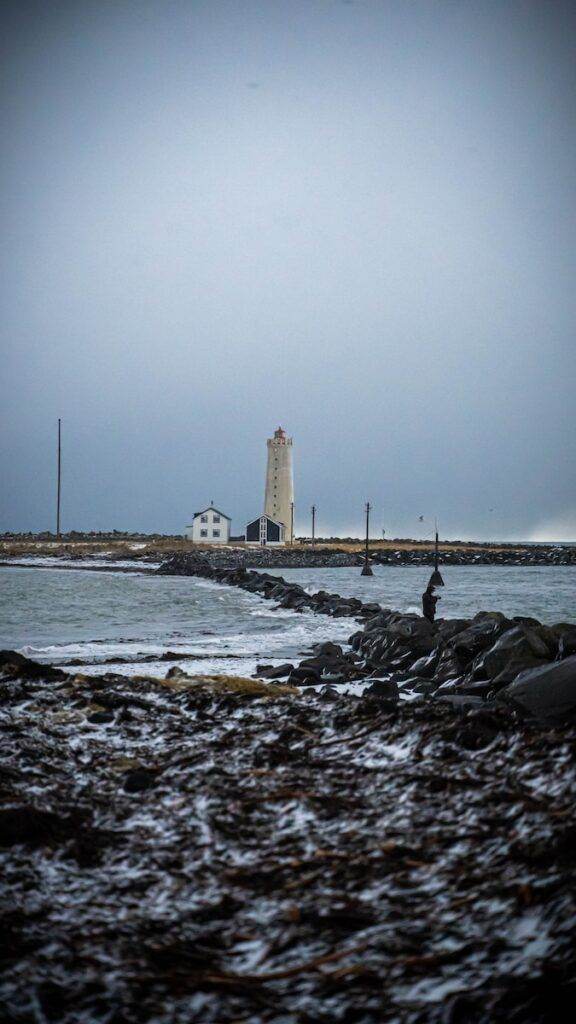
[(277, 522), (212, 509)]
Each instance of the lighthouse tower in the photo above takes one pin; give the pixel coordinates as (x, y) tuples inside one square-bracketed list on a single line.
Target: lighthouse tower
[(279, 481)]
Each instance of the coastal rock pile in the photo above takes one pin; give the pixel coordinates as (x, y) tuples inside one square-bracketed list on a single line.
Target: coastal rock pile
[(308, 558), (168, 854), (281, 558), (545, 554), (451, 659), (471, 660)]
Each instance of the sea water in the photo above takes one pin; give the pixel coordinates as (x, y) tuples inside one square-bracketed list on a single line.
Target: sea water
[(112, 621)]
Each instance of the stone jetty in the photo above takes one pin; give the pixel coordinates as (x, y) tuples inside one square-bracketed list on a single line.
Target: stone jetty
[(305, 557), (545, 554), (463, 662)]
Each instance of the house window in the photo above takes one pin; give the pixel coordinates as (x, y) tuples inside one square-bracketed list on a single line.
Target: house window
[(203, 533), (215, 533), (203, 519), (215, 519)]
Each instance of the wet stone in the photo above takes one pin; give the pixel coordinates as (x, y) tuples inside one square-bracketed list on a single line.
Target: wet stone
[(138, 780), (101, 717), (383, 688)]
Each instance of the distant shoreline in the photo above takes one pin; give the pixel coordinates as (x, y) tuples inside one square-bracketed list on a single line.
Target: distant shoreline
[(146, 558), (138, 543)]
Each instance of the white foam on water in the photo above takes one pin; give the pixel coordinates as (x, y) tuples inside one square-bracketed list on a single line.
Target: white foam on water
[(34, 561)]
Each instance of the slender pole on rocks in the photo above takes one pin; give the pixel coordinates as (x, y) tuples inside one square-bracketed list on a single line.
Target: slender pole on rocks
[(313, 526), (59, 487), (367, 568), (436, 577), (291, 524)]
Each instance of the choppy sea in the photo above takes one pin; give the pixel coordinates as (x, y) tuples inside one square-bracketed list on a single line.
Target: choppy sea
[(112, 621)]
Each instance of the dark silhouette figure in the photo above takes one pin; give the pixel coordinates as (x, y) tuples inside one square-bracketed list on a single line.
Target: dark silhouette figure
[(429, 602)]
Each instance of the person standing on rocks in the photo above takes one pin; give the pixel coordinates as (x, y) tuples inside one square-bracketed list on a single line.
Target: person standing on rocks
[(429, 602)]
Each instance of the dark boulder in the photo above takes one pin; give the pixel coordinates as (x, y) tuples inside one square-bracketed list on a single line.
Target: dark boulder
[(356, 639), (274, 671), (322, 663), (301, 676), (565, 635), (138, 780), (409, 627), (448, 628), (460, 702), (426, 665), (343, 611), (547, 693), (26, 825), (328, 648), (371, 609), (378, 622), (482, 632), (101, 717), (15, 666), (473, 688), (383, 688), (517, 649), (416, 684), (448, 666)]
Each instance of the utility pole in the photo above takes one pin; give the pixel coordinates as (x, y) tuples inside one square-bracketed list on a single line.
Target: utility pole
[(313, 526), (367, 568), (291, 524), (58, 492)]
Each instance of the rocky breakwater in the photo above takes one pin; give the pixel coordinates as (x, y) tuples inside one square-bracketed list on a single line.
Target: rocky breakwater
[(549, 554), (265, 558), (488, 660), (464, 662), (467, 661), (271, 587)]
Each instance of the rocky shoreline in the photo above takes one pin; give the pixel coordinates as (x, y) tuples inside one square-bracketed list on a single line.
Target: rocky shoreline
[(459, 661), (302, 556), (322, 558), (270, 558), (541, 555), (218, 850)]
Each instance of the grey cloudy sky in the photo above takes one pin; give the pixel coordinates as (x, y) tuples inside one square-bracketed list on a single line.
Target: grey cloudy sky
[(354, 219)]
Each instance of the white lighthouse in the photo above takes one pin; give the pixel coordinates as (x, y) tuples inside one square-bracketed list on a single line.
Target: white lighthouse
[(279, 500)]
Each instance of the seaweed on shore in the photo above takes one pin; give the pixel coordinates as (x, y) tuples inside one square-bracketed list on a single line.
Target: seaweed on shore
[(178, 852)]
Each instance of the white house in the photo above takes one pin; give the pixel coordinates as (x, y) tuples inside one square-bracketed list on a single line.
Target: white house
[(266, 532), (209, 527)]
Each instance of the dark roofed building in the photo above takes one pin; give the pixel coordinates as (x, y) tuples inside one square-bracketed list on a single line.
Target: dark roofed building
[(265, 531)]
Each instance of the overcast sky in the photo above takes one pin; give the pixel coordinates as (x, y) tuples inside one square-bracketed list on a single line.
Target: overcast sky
[(354, 219)]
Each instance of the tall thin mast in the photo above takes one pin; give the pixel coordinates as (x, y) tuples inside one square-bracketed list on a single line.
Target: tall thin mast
[(436, 577), (59, 489)]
